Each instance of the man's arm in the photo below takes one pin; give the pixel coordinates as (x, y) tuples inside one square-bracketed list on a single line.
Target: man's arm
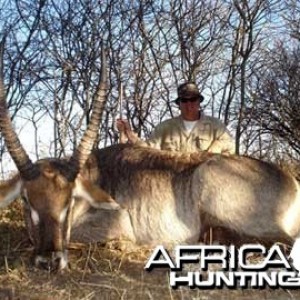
[(226, 143), (222, 141), (154, 140)]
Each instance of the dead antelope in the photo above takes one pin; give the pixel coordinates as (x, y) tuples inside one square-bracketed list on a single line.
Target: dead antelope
[(50, 186)]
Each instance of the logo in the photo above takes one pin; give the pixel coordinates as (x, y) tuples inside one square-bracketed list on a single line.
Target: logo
[(293, 255), (216, 266)]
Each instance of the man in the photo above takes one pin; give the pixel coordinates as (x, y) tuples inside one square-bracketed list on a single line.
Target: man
[(192, 131)]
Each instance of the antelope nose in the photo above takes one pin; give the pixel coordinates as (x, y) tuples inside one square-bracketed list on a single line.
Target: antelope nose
[(56, 261)]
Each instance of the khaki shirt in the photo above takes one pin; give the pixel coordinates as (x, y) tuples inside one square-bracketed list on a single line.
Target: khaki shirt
[(208, 134)]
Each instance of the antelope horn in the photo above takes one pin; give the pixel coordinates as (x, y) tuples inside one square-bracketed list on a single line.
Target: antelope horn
[(86, 144), (27, 169)]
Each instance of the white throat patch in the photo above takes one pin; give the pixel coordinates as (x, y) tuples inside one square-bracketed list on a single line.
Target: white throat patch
[(12, 194)]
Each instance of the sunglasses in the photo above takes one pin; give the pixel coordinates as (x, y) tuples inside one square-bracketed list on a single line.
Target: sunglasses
[(182, 100)]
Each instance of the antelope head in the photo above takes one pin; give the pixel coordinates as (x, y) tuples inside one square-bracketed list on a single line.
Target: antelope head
[(49, 186)]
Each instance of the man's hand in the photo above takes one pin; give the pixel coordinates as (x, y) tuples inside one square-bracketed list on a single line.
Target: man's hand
[(124, 128), (123, 125)]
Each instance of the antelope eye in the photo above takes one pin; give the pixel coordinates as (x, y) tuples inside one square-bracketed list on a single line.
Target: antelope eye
[(25, 200)]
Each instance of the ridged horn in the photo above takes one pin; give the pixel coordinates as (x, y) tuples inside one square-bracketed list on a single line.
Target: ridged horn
[(86, 144), (27, 169)]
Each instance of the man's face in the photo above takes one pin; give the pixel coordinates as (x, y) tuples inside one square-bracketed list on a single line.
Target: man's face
[(190, 109)]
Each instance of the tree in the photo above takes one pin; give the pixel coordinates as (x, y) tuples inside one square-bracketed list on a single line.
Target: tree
[(53, 61), (277, 109)]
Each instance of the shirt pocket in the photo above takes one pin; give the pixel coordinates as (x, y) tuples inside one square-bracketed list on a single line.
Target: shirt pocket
[(202, 142), (170, 145)]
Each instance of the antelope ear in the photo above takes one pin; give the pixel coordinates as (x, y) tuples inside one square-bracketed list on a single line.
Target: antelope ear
[(61, 181), (96, 196), (10, 190)]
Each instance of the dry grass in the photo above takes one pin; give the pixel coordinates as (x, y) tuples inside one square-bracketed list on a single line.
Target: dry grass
[(96, 272)]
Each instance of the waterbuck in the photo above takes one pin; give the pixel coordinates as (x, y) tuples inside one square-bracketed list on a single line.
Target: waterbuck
[(166, 197), (50, 186)]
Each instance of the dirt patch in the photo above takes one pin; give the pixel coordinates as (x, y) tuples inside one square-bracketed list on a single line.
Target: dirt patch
[(96, 272)]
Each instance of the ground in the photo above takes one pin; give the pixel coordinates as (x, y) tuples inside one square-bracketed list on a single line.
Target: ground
[(96, 272)]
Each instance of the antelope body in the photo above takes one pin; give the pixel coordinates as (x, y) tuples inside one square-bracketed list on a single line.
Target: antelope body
[(169, 197)]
